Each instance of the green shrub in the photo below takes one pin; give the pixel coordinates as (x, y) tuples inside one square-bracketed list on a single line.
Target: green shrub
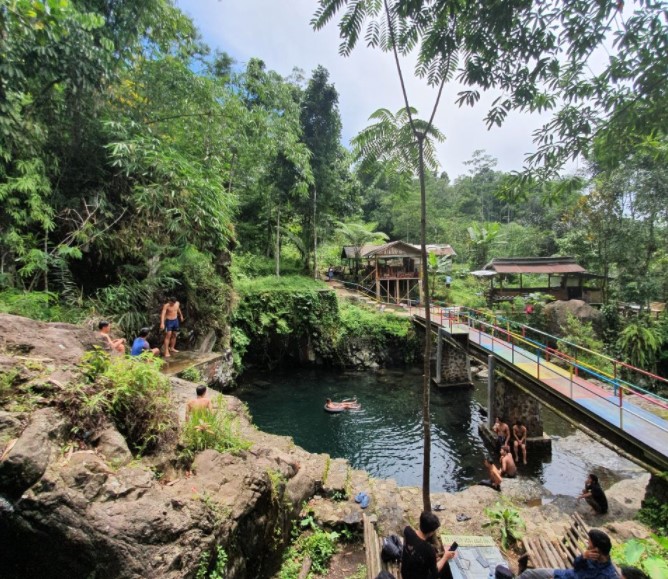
[(191, 374), (130, 392), (8, 381), (508, 521), (43, 306), (217, 429), (650, 555), (218, 565), (317, 544), (654, 514)]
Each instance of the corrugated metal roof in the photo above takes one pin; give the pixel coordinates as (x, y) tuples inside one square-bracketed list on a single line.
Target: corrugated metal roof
[(543, 265), (438, 249), (392, 249)]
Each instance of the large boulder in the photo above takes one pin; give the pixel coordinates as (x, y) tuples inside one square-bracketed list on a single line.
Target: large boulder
[(556, 315), (64, 343), (26, 462)]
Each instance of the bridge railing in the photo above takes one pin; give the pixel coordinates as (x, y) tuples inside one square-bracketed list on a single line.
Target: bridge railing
[(526, 344)]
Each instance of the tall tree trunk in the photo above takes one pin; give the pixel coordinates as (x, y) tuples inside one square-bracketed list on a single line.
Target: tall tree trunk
[(278, 242), (315, 234), (426, 379)]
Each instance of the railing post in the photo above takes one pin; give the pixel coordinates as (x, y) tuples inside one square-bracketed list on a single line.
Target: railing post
[(571, 381), (615, 385), (538, 363), (621, 410)]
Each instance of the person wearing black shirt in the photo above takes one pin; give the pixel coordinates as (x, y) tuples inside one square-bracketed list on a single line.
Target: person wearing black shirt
[(594, 495), (419, 557)]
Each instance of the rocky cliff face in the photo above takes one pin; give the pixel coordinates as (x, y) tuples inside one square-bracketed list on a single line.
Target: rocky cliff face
[(94, 511)]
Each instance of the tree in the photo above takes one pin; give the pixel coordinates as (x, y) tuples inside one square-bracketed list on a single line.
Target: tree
[(531, 52), (482, 237), (357, 235), (321, 133)]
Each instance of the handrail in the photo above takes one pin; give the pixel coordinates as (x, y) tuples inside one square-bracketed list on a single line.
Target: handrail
[(456, 315), (616, 363)]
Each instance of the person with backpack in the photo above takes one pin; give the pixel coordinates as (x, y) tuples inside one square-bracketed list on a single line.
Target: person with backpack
[(419, 559)]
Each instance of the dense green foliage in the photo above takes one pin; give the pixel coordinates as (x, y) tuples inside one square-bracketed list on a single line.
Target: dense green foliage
[(277, 319), (217, 429), (131, 393), (650, 555)]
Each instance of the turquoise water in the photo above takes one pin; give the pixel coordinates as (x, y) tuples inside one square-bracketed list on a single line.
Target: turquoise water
[(385, 436)]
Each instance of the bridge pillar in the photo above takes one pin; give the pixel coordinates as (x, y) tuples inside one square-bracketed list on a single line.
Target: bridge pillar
[(513, 404), (453, 366)]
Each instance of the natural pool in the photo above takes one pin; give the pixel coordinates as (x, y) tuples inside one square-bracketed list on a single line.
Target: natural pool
[(385, 436)]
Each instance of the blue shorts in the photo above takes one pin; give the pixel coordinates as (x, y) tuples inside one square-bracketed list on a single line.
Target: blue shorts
[(172, 325)]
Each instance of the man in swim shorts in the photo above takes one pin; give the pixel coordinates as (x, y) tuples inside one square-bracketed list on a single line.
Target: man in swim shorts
[(169, 321)]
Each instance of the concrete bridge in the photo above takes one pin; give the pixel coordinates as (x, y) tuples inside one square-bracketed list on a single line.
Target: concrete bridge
[(526, 372)]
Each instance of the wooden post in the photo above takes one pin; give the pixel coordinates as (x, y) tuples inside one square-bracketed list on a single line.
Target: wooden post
[(439, 355), (491, 391)]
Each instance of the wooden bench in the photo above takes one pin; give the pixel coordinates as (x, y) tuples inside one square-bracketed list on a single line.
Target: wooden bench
[(541, 552), (373, 545)]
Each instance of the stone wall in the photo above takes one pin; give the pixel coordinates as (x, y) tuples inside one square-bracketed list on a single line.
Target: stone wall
[(455, 367), (513, 404)]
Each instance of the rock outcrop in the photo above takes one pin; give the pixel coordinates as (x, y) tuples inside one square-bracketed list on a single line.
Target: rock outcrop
[(556, 313)]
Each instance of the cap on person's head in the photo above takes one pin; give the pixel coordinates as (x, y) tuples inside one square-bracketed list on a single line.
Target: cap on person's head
[(632, 573), (601, 541), (103, 324), (201, 390), (429, 522), (144, 332), (502, 572)]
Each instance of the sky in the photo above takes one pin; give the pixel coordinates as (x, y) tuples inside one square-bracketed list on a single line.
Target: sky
[(279, 33)]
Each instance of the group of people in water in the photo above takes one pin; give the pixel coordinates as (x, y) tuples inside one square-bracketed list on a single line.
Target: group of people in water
[(170, 319), (592, 493)]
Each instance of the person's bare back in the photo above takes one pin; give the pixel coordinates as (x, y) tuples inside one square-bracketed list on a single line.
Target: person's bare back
[(199, 403)]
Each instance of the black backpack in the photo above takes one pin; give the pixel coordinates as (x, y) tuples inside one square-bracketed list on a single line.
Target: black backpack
[(392, 549), (385, 575)]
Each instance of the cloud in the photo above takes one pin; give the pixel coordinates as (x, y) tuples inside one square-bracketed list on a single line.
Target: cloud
[(278, 32)]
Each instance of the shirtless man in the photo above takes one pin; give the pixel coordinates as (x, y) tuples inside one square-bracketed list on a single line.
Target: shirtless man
[(201, 402), (508, 468), (520, 436), (169, 321), (115, 345), (502, 432), (494, 474)]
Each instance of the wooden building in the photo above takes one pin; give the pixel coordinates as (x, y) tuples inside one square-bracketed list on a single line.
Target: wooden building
[(392, 271), (561, 277)]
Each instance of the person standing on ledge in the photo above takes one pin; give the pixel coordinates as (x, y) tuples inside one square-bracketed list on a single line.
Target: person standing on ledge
[(594, 495), (169, 321), (419, 557)]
